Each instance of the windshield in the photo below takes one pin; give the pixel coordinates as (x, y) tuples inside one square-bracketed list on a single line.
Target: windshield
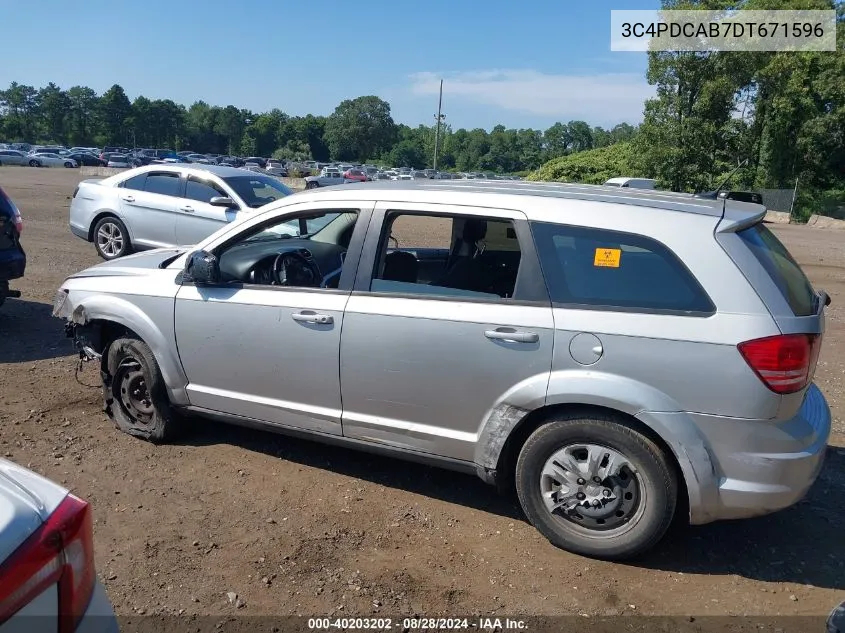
[(256, 190), (301, 228)]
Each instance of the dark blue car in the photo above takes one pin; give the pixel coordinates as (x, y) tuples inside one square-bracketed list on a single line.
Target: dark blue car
[(12, 256)]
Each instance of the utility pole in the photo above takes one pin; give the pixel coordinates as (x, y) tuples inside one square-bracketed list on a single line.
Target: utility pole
[(438, 119)]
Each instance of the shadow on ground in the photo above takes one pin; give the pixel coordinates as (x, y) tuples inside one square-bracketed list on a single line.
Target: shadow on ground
[(29, 332), (802, 545)]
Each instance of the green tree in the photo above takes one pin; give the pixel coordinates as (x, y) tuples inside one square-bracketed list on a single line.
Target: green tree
[(53, 107), (114, 110), (360, 128), (406, 153), (82, 115), (19, 106), (592, 166)]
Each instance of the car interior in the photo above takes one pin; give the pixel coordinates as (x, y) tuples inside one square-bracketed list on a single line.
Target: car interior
[(474, 257), (305, 252)]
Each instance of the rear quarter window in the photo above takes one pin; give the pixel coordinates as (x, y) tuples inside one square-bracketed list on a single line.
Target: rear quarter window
[(600, 269), (783, 270)]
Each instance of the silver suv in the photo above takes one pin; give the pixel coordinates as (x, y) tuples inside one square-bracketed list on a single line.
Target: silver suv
[(612, 354)]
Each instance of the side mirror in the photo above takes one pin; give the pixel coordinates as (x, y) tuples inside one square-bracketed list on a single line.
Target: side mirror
[(222, 201), (202, 268)]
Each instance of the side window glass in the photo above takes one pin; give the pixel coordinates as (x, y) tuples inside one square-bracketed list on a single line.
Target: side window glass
[(164, 184), (136, 182), (307, 251), (201, 191), (599, 268), (448, 256)]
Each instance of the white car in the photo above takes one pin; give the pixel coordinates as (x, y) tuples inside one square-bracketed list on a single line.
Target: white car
[(157, 206), (47, 576), (119, 161), (49, 159)]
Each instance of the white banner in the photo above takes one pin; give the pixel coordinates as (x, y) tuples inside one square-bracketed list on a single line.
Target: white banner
[(699, 30)]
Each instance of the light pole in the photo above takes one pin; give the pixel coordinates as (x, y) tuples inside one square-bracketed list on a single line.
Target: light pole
[(438, 118)]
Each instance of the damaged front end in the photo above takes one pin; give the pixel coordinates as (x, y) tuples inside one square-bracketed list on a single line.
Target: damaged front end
[(87, 336)]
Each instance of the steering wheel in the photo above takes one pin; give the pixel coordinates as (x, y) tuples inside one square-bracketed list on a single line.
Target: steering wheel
[(293, 269)]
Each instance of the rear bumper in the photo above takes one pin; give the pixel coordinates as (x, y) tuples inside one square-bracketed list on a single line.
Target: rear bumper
[(79, 231), (750, 468), (99, 617)]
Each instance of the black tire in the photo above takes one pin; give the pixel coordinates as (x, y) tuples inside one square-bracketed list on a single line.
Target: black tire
[(34, 163), (311, 185), (134, 393), (111, 226), (4, 292), (644, 495), (69, 165)]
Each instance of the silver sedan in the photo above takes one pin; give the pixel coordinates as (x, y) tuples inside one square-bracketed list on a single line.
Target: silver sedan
[(49, 159), (166, 205)]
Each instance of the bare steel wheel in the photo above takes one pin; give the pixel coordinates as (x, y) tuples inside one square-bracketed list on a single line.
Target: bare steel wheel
[(135, 394), (594, 485), (111, 239)]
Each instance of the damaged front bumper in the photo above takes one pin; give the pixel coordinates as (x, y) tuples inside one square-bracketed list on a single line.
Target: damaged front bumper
[(86, 339)]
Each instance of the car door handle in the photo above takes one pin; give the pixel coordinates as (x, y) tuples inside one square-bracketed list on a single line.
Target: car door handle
[(129, 199), (307, 316), (187, 208), (511, 335)]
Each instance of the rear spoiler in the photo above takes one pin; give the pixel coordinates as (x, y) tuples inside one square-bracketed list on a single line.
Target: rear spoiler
[(737, 216)]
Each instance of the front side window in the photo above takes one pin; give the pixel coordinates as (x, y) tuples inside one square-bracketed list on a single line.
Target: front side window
[(447, 256), (202, 191), (166, 184), (596, 268), (306, 251)]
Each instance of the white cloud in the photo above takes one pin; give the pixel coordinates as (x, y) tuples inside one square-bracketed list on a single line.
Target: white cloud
[(601, 99)]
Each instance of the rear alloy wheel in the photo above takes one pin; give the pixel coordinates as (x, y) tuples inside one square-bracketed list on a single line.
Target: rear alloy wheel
[(594, 486), (311, 185), (69, 164), (135, 394), (34, 163), (111, 239)]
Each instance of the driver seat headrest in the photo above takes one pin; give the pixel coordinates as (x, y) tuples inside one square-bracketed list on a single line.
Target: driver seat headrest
[(474, 230)]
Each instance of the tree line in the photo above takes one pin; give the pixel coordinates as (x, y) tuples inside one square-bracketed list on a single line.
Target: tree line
[(779, 117), (360, 129)]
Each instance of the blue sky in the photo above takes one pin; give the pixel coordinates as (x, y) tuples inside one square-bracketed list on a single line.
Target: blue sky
[(523, 64)]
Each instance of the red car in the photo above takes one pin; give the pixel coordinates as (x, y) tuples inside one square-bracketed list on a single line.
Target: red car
[(355, 174)]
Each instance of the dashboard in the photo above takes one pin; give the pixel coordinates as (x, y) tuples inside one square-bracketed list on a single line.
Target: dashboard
[(253, 262)]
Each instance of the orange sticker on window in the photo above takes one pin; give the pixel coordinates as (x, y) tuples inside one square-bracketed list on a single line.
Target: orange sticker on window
[(607, 257)]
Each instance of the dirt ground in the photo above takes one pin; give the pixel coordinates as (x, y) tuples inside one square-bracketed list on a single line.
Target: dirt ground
[(295, 527)]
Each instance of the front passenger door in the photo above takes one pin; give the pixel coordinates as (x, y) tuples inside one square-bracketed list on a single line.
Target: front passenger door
[(196, 218)]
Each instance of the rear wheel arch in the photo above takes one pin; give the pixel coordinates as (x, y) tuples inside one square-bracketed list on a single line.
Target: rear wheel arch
[(506, 462), (99, 216)]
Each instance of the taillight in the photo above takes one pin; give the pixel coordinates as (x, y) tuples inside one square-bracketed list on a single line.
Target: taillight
[(785, 363), (60, 551)]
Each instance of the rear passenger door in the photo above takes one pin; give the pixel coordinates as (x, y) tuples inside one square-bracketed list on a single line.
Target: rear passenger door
[(148, 207), (430, 346), (196, 218)]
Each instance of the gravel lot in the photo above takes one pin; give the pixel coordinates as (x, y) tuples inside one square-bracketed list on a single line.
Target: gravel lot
[(295, 527)]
